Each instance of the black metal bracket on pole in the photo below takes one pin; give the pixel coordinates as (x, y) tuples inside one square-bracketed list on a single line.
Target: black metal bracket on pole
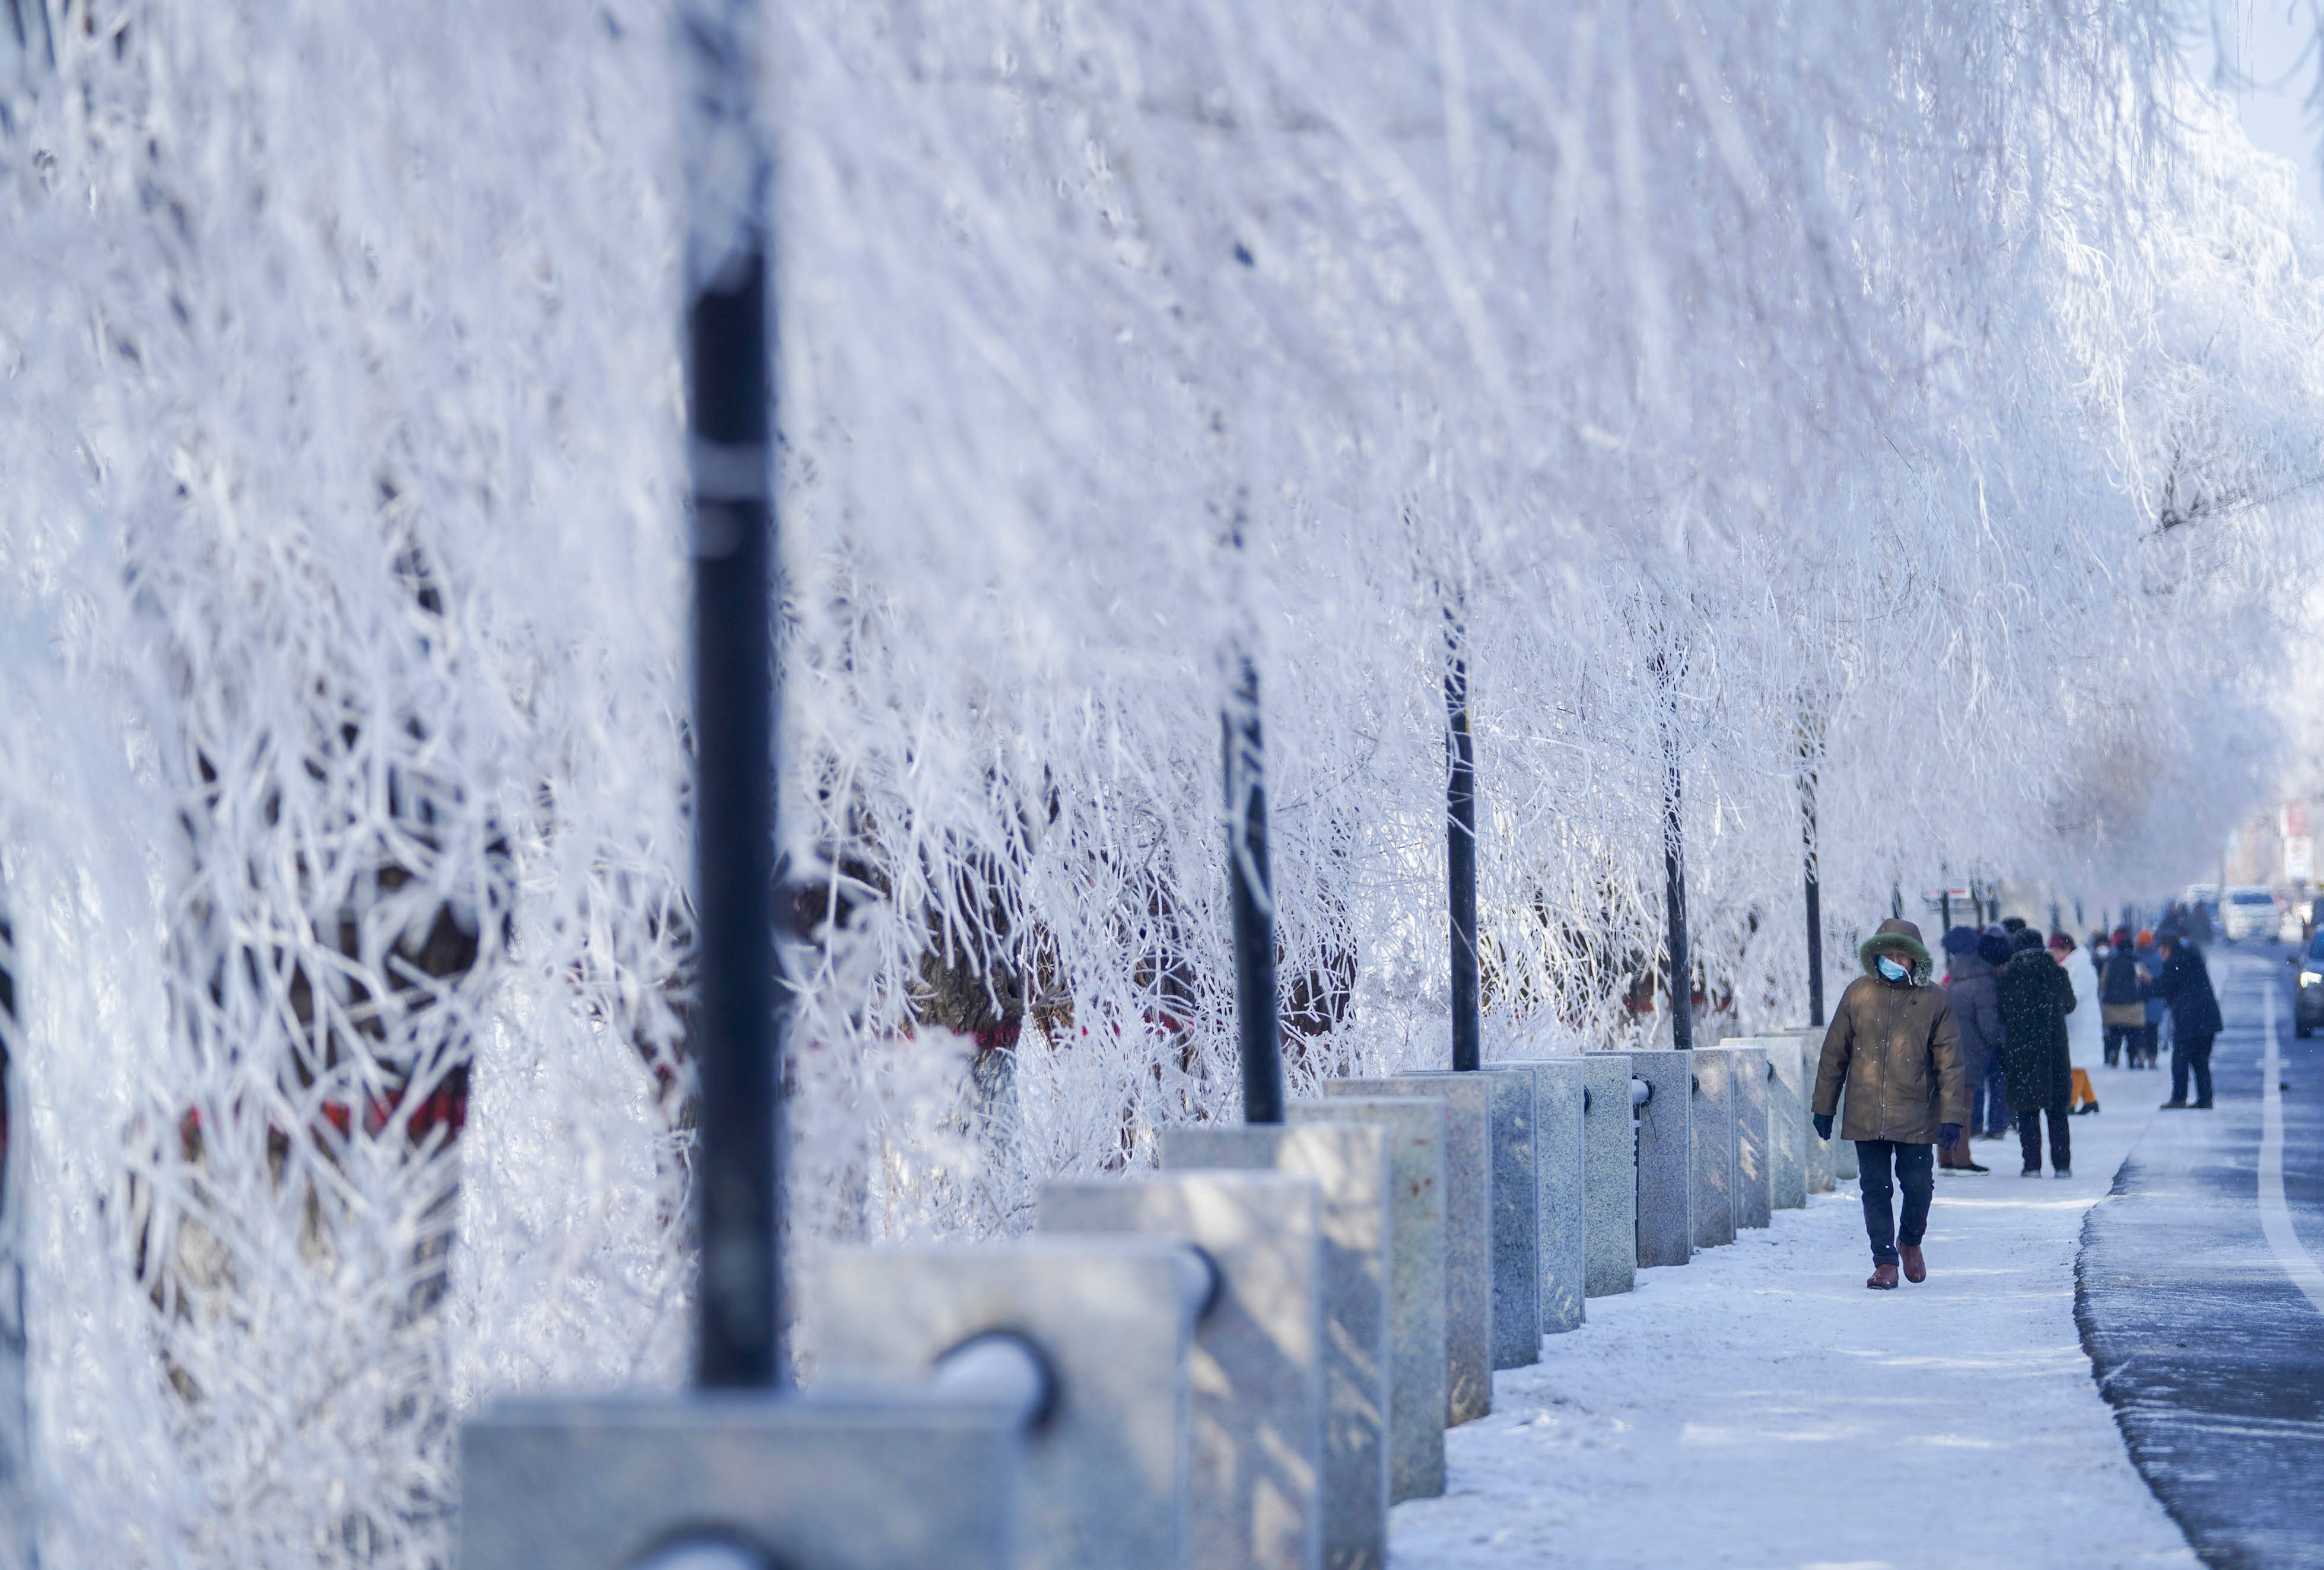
[(738, 1175), (1815, 890), (1461, 855), (1252, 890)]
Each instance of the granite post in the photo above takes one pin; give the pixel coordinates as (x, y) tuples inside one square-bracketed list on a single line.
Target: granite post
[(1517, 1311), (1468, 1206), (1609, 1180), (1560, 1173), (1255, 1484), (1348, 1164), (863, 1479), (1712, 1151), (1416, 1362), (1113, 1318), (1787, 1124), (1665, 1156), (1753, 1190)]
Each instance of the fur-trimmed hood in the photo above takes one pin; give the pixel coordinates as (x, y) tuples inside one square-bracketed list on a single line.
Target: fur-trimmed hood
[(1902, 938)]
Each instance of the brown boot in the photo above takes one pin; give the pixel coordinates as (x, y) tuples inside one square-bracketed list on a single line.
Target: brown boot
[(1916, 1269), (1883, 1277)]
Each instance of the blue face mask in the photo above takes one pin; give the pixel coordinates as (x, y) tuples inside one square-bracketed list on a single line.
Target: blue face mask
[(1890, 970)]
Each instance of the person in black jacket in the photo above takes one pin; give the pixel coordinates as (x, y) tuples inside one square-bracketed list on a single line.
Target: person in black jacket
[(2185, 984), (2036, 995), (2120, 1004)]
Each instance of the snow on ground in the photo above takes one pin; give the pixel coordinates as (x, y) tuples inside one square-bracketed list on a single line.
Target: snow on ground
[(1758, 1407)]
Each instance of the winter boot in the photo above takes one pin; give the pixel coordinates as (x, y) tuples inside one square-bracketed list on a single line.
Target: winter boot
[(1884, 1277), (1916, 1267), (2064, 1173), (2173, 1106)]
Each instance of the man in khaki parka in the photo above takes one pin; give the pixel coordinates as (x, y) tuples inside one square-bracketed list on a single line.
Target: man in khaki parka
[(1894, 1043)]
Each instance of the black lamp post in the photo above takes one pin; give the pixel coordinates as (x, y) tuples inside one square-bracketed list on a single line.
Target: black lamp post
[(738, 1183), (1253, 894), (1460, 854)]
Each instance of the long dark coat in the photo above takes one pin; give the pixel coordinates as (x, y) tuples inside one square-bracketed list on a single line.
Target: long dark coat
[(2036, 996), (2185, 984)]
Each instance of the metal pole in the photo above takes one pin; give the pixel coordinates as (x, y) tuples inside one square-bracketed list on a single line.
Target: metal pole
[(1254, 899), (1681, 979), (1945, 909), (738, 1178), (1815, 896), (1461, 857)]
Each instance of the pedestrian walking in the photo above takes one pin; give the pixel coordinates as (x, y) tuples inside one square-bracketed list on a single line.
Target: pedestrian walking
[(2122, 1005), (2149, 962), (1977, 1013), (1988, 1109), (1895, 1045), (2185, 983), (2036, 996)]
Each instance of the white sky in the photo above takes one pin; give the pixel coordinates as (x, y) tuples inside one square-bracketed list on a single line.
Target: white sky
[(2274, 43)]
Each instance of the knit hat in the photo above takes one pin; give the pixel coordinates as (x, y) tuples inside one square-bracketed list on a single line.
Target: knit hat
[(2146, 937), (2025, 937), (1960, 941), (2121, 936), (1996, 930), (2061, 942), (1992, 949)]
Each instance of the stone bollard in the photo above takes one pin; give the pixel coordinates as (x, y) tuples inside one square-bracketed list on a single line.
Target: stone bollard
[(1711, 1150), (1348, 1165), (1254, 1492), (1467, 1199), (1787, 1124), (1823, 1155), (1514, 1101), (1105, 1471), (1665, 1156), (1752, 1187), (846, 1480), (1609, 1176), (1559, 1153), (1416, 1361)]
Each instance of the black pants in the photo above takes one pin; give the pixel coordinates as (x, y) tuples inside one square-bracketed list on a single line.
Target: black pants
[(2119, 1036), (1916, 1171), (2029, 1138), (2191, 1052)]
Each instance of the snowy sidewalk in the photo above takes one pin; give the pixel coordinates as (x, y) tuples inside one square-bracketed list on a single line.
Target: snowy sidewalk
[(1758, 1407)]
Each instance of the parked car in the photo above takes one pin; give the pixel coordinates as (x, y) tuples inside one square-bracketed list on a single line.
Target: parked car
[(2308, 996), (2248, 912)]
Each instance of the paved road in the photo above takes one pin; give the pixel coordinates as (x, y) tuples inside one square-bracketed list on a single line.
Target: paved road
[(2196, 1317)]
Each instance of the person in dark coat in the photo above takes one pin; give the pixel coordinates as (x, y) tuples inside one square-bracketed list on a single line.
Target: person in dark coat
[(1977, 1011), (1895, 1048), (1989, 1107), (2122, 1002), (2185, 984), (2149, 962), (2036, 996)]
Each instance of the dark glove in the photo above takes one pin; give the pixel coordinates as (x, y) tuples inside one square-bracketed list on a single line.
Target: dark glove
[(1823, 1125), (1948, 1135)]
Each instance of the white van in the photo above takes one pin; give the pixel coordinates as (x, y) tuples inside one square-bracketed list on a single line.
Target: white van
[(2248, 912)]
